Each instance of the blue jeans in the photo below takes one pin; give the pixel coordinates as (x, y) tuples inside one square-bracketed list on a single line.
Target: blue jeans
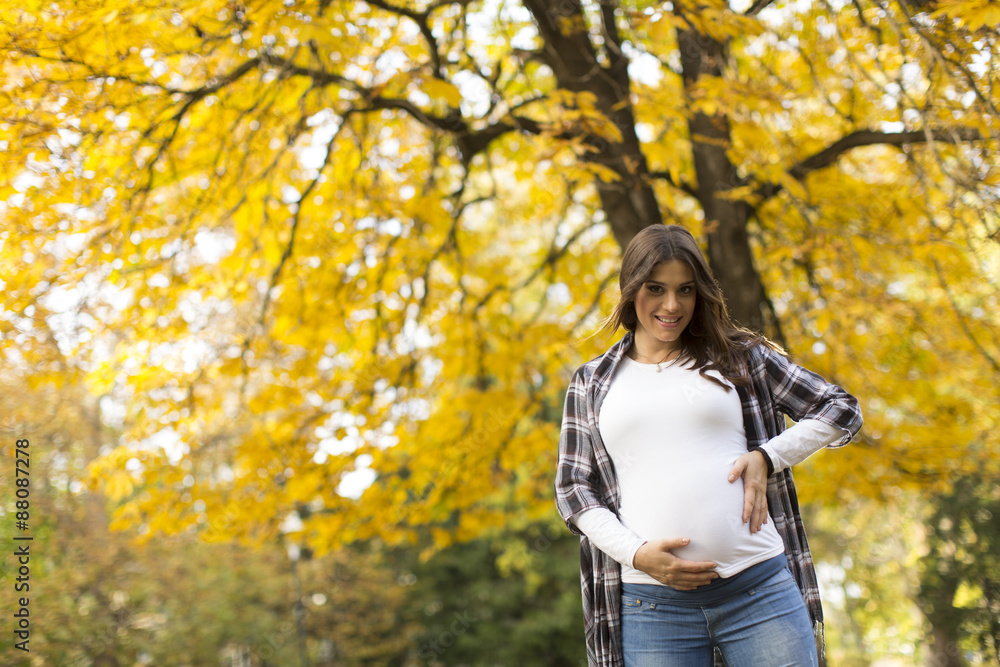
[(766, 625)]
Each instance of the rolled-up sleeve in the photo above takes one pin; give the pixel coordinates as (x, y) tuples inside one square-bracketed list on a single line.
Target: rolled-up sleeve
[(802, 394), (578, 485)]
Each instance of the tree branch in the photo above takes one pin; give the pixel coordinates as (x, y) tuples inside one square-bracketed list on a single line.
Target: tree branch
[(447, 123), (470, 143), (612, 39), (570, 55), (832, 153), (421, 19), (319, 76), (961, 318), (756, 7)]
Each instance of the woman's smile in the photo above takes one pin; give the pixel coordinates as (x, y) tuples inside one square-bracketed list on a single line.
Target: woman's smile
[(669, 322)]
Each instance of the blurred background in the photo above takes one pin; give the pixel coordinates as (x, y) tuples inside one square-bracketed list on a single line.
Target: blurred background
[(292, 292)]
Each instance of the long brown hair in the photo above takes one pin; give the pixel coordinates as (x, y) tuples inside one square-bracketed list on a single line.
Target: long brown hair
[(711, 341)]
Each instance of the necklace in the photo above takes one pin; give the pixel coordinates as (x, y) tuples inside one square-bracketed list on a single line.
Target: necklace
[(658, 363)]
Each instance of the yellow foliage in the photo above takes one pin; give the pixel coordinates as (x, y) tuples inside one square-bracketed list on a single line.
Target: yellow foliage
[(973, 14), (442, 90), (301, 292)]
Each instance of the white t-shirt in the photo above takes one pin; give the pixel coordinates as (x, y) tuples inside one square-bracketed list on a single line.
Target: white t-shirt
[(673, 437)]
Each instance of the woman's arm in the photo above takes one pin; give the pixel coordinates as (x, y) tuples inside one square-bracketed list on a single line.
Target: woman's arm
[(802, 394), (609, 534), (578, 484), (800, 441), (825, 416), (794, 445)]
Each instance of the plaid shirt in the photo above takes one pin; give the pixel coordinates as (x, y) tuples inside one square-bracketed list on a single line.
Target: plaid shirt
[(585, 477)]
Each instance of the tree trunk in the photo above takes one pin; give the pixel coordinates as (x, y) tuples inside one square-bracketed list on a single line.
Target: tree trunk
[(725, 221), (629, 202), (944, 651)]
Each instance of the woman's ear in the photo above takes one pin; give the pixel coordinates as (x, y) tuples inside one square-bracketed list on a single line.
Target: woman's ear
[(629, 317)]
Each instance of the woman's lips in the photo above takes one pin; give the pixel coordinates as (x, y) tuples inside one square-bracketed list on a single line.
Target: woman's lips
[(669, 323)]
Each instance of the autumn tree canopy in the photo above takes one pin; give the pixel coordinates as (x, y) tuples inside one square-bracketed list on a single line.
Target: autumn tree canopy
[(298, 246)]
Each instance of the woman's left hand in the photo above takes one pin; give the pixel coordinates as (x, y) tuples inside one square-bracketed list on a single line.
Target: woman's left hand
[(752, 468)]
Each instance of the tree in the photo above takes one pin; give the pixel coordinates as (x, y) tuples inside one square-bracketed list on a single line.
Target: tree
[(508, 599), (960, 575), (304, 244), (96, 598), (868, 554)]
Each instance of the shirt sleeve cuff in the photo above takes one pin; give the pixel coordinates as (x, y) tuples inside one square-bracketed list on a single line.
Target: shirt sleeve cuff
[(800, 441), (767, 459), (608, 534)]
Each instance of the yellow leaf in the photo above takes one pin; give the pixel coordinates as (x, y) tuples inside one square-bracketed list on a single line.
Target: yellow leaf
[(118, 485), (443, 90), (606, 174)]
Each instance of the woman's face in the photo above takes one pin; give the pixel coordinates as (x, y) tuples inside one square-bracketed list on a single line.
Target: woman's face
[(664, 306)]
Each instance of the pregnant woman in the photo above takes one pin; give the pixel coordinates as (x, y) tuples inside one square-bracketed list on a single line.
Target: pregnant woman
[(674, 467)]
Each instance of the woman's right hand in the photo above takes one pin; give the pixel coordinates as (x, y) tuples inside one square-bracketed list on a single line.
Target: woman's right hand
[(655, 559)]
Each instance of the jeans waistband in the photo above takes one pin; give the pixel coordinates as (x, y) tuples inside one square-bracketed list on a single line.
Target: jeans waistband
[(711, 593)]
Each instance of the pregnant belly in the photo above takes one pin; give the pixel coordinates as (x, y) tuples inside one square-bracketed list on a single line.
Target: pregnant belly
[(700, 505)]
